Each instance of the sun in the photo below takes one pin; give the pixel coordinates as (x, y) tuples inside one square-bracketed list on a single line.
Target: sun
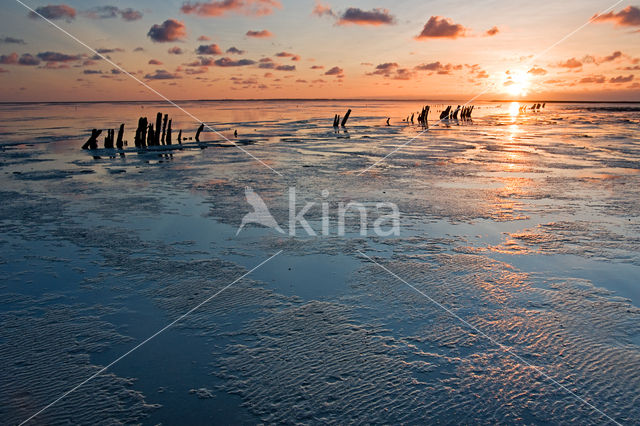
[(517, 83)]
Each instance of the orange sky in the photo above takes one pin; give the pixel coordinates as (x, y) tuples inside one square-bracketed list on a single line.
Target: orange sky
[(305, 49)]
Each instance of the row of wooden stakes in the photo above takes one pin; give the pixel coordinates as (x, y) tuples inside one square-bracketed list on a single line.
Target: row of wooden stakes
[(146, 135)]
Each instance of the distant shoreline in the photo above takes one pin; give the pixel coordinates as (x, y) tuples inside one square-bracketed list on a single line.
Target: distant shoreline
[(315, 100)]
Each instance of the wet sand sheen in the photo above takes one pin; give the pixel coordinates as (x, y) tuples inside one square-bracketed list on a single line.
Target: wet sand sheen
[(517, 223)]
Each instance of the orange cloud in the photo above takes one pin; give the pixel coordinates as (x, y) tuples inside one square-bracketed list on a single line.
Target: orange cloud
[(440, 27), (627, 17), (621, 79), (222, 7), (54, 11), (259, 34), (375, 17), (337, 71), (322, 10), (293, 56), (169, 30), (571, 63), (492, 31), (537, 71), (211, 49)]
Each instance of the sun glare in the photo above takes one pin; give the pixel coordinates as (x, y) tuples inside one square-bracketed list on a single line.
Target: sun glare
[(517, 83)]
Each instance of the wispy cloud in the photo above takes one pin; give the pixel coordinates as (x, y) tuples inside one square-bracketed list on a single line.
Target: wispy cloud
[(222, 7)]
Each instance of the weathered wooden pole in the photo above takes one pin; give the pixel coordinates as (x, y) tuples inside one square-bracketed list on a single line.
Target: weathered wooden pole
[(151, 135), (158, 125), (168, 138), (200, 129), (143, 132), (92, 142), (164, 128), (346, 117), (180, 137), (119, 142)]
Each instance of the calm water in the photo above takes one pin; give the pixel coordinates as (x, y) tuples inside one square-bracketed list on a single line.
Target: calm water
[(526, 226)]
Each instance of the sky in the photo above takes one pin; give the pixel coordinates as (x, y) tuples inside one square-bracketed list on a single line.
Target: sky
[(262, 49)]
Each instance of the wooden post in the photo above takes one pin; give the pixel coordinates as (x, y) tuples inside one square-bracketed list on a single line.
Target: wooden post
[(168, 138), (151, 135), (200, 129), (143, 132), (157, 133), (164, 128), (180, 137), (92, 142), (119, 143), (346, 117)]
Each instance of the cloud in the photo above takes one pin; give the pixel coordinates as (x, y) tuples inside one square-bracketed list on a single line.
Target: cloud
[(228, 62), (384, 69), (169, 30), (627, 17), (615, 55), (235, 51), (337, 71), (2, 70), (571, 63), (392, 70), (58, 57), (110, 12), (11, 40), (598, 79), (210, 49), (130, 15), (285, 68), (293, 56), (259, 34), (154, 62), (537, 71), (13, 59), (317, 67), (162, 75), (105, 51), (492, 31), (323, 10), (621, 79), (356, 16), (439, 67), (175, 50), (139, 49), (54, 11), (440, 27), (89, 72), (222, 7)]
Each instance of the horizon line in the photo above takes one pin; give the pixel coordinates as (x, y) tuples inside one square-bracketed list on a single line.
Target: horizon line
[(444, 100)]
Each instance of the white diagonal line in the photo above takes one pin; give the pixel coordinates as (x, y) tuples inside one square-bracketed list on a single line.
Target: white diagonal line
[(180, 318), (533, 59), (495, 342), (149, 88)]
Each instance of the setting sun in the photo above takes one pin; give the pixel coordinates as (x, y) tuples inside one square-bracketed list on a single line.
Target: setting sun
[(517, 83)]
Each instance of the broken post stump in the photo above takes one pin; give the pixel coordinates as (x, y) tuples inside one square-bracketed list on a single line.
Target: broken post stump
[(92, 142)]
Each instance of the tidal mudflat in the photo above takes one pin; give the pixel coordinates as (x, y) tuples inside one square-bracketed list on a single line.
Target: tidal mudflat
[(524, 225)]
